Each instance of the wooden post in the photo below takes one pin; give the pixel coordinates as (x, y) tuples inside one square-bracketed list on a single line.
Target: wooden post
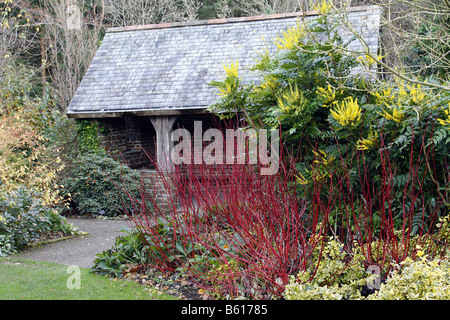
[(163, 126)]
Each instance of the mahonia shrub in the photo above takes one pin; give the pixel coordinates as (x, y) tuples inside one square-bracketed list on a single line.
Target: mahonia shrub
[(287, 96), (332, 118), (96, 185)]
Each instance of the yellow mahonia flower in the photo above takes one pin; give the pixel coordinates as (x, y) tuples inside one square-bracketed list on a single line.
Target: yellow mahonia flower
[(227, 90), (402, 94), (386, 96), (291, 37), (445, 122), (232, 69), (323, 7), (291, 99), (369, 61), (319, 174), (396, 115), (417, 94), (347, 113), (364, 144), (323, 157), (328, 95), (301, 179), (270, 83)]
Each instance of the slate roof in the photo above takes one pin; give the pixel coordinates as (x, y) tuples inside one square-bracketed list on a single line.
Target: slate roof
[(166, 68)]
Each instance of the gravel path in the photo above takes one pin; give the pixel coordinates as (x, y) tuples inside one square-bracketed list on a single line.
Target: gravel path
[(80, 251)]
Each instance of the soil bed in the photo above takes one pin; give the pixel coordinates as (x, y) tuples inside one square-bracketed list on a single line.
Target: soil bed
[(170, 283)]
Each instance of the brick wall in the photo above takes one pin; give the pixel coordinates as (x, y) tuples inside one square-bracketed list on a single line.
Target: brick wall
[(160, 188), (129, 139)]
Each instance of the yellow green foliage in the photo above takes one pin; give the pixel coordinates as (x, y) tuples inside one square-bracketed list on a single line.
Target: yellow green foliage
[(328, 95), (420, 279), (231, 81), (339, 277), (336, 273), (320, 169), (394, 114), (404, 95), (270, 83), (223, 272), (443, 232), (24, 160)]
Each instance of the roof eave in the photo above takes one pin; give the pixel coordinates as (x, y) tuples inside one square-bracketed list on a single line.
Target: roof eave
[(141, 113)]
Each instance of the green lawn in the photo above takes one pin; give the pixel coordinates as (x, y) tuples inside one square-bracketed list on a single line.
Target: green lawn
[(30, 280)]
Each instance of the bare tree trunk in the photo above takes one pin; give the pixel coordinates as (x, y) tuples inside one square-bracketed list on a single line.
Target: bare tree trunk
[(43, 61)]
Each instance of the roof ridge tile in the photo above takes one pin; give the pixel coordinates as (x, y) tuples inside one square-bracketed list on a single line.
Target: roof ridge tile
[(165, 25)]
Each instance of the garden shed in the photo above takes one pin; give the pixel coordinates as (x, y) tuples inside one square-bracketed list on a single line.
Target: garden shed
[(146, 80)]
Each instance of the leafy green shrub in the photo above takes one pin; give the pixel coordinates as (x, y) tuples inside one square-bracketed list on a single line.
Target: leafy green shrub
[(24, 219), (59, 132), (138, 247), (99, 185), (130, 248), (6, 245)]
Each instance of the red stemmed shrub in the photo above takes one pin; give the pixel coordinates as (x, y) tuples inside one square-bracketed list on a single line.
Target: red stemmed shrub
[(239, 233)]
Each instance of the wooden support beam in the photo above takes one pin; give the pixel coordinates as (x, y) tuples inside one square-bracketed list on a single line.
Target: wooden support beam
[(163, 127)]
